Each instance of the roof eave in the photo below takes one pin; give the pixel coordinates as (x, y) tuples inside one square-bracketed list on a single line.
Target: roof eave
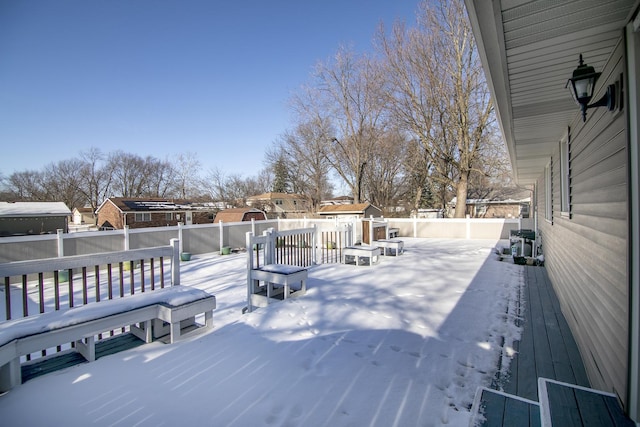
[(487, 27)]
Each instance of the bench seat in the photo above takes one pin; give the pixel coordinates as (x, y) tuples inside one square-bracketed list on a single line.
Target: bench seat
[(390, 244), (358, 252), (80, 325), (283, 276)]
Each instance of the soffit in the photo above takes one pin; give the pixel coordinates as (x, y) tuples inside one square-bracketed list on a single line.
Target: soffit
[(529, 48)]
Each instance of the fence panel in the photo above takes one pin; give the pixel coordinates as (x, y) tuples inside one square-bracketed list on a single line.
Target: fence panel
[(205, 238), (86, 243)]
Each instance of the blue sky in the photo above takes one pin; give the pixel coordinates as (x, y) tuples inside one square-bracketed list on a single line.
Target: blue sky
[(164, 77)]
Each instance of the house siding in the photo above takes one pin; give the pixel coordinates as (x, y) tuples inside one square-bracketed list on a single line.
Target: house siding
[(586, 251)]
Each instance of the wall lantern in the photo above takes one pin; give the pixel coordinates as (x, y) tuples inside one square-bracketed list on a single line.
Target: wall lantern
[(583, 82)]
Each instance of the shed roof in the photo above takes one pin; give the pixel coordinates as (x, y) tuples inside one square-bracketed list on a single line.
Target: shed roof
[(345, 209), (23, 209), (236, 214), (273, 195)]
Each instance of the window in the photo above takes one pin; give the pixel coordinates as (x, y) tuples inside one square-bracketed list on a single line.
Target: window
[(168, 216), (565, 176), (548, 208), (143, 216)]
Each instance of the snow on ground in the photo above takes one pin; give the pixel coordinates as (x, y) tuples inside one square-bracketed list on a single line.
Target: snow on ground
[(405, 342)]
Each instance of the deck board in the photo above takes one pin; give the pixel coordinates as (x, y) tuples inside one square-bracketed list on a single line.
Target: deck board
[(501, 409), (547, 348), (573, 405), (70, 358)]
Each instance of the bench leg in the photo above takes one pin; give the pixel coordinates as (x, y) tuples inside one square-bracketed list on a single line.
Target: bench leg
[(208, 319), (10, 375), (175, 332), (87, 348), (143, 332)]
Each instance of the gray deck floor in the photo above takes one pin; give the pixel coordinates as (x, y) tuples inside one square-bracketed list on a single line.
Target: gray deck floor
[(546, 349)]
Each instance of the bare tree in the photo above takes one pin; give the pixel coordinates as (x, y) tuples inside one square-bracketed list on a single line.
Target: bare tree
[(348, 93), (186, 168), (303, 150), (62, 182), (233, 189), (95, 178), (438, 91), (384, 172), (27, 186)]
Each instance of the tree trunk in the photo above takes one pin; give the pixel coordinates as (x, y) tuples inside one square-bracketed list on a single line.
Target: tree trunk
[(461, 196)]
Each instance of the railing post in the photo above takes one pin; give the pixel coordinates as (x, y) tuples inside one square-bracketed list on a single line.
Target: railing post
[(371, 230), (314, 239), (269, 246), (253, 226), (60, 236), (248, 235), (175, 262), (181, 248)]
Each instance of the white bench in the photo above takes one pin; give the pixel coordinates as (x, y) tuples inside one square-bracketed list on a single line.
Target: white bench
[(372, 253), (278, 279), (392, 244), (141, 312)]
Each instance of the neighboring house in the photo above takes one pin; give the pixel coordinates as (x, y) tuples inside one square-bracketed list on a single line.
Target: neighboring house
[(341, 200), (82, 216), (357, 210), (583, 171), (428, 213), (239, 215), (485, 208), (280, 203), (116, 212), (21, 218)]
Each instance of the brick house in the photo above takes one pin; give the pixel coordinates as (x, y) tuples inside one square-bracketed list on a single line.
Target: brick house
[(485, 208), (116, 212)]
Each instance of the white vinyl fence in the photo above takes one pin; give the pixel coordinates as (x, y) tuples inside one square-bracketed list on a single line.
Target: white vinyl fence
[(208, 238)]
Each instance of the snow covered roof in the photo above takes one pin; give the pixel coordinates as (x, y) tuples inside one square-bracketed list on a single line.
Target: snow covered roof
[(131, 204), (23, 209)]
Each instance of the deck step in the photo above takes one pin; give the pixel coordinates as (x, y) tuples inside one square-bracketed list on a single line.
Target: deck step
[(566, 405), (495, 408)]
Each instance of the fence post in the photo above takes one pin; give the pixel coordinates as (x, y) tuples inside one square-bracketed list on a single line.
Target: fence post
[(221, 227), (468, 226), (126, 237), (175, 262), (60, 242), (415, 226)]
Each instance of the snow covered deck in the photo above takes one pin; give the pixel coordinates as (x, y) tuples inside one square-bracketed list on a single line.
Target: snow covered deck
[(405, 342)]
